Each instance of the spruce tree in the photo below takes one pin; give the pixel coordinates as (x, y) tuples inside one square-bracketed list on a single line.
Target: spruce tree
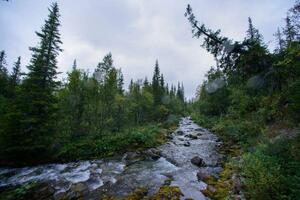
[(162, 84), (253, 34), (74, 67), (38, 98), (120, 80), (279, 40), (156, 84), (289, 30), (16, 73), (3, 74)]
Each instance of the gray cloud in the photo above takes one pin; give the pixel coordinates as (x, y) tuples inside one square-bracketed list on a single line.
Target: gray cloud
[(137, 32)]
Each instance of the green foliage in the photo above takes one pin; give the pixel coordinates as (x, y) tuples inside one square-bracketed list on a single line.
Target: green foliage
[(139, 137), (271, 172), (294, 100), (260, 94)]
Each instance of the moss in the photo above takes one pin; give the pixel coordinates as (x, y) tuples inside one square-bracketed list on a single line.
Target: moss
[(138, 194), (167, 193), (164, 192), (223, 186), (19, 192)]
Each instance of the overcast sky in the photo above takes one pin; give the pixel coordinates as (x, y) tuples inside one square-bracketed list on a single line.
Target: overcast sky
[(136, 32)]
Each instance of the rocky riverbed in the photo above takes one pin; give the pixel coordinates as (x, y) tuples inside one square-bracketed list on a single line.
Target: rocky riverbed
[(185, 161)]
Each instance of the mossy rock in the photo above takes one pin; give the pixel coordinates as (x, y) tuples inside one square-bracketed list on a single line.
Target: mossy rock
[(168, 193), (220, 188), (138, 194)]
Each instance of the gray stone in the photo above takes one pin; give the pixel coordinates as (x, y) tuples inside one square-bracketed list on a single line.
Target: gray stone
[(193, 137), (179, 132), (199, 129), (77, 190), (198, 161), (154, 154), (187, 144)]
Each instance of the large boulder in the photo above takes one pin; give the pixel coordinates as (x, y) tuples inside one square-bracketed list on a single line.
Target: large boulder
[(199, 162)]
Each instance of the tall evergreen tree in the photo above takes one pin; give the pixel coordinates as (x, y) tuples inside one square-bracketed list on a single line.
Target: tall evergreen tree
[(252, 33), (16, 73), (289, 30), (180, 92), (3, 62), (3, 74), (120, 80), (37, 91), (156, 84), (104, 67), (279, 41), (74, 67)]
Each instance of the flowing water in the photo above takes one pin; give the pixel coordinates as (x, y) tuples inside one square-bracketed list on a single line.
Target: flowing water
[(121, 176)]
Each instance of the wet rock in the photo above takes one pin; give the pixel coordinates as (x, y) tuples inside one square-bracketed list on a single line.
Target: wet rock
[(41, 191), (219, 145), (170, 137), (199, 129), (61, 196), (179, 132), (192, 136), (168, 181), (154, 154), (187, 144), (211, 188), (237, 184), (202, 176), (198, 161), (132, 157), (181, 139), (77, 191)]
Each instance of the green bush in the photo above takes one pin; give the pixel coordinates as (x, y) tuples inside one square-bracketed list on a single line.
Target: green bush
[(262, 176), (242, 131), (272, 171), (141, 137)]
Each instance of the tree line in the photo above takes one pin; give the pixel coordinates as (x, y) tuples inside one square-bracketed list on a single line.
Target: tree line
[(41, 117)]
